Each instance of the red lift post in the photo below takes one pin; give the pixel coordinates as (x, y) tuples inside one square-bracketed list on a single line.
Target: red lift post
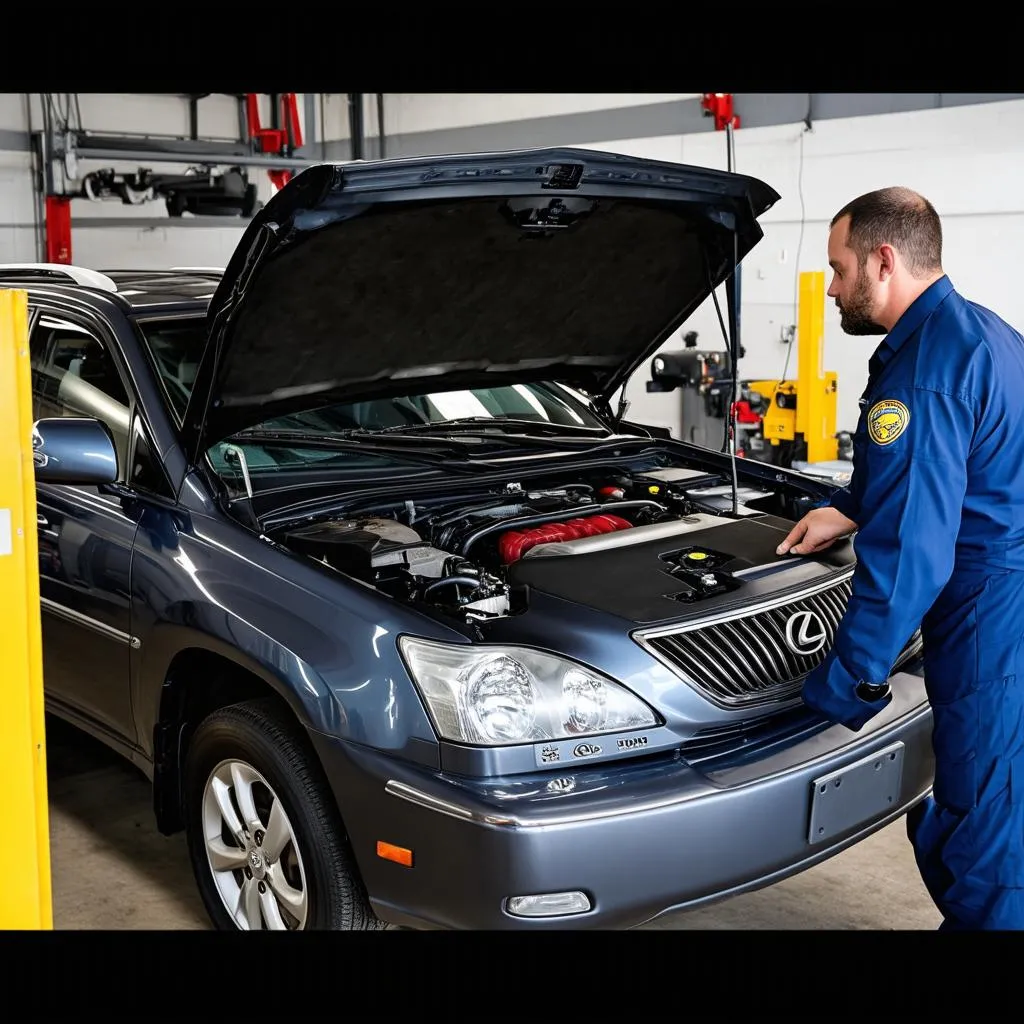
[(58, 229), (276, 141)]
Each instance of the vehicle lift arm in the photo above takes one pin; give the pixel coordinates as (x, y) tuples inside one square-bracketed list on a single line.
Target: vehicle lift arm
[(282, 141)]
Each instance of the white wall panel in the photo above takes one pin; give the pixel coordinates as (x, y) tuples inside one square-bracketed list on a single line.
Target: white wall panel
[(17, 209), (12, 111), (334, 112), (17, 244), (662, 147), (423, 112), (16, 194), (154, 248)]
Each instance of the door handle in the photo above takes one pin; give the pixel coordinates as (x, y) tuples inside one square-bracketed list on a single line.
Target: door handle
[(41, 520)]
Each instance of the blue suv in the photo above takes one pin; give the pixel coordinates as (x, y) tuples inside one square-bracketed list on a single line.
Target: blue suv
[(350, 548)]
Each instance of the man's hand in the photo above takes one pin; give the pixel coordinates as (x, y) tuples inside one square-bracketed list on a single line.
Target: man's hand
[(817, 530)]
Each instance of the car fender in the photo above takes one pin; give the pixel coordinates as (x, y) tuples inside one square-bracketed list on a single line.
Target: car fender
[(326, 644)]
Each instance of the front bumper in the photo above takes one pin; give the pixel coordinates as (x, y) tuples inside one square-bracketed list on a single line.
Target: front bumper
[(638, 838)]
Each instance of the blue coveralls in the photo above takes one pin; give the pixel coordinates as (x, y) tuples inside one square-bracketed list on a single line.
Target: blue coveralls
[(938, 495)]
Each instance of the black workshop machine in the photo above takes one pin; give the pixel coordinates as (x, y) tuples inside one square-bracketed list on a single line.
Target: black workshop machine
[(777, 421)]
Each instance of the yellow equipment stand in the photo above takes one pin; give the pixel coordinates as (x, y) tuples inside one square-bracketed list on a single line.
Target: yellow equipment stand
[(805, 408), (26, 898)]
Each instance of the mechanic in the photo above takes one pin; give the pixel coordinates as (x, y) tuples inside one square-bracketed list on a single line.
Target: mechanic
[(937, 503)]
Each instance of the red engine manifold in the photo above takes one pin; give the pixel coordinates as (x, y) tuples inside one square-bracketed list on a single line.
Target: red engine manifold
[(515, 543)]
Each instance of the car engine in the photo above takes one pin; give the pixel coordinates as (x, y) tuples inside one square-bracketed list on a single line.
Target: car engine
[(475, 556)]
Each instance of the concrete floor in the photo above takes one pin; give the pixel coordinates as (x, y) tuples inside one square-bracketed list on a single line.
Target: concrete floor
[(111, 869)]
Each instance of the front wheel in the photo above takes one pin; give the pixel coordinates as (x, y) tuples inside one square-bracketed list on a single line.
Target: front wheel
[(266, 842)]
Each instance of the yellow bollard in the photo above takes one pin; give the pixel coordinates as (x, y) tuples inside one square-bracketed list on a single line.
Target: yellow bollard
[(26, 897)]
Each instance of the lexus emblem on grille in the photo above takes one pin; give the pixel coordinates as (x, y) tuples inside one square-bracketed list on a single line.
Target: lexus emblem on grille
[(805, 633)]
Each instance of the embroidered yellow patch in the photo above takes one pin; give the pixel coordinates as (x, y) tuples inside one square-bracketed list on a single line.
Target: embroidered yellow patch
[(887, 419)]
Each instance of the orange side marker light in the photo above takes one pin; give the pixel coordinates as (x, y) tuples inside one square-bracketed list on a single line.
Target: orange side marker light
[(399, 854)]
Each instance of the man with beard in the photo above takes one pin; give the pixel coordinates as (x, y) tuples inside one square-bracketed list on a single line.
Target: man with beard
[(937, 504)]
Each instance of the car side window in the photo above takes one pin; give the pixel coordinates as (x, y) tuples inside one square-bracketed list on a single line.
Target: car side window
[(74, 374)]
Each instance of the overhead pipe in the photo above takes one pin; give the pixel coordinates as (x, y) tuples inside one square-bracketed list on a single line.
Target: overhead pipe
[(323, 128), (309, 119), (220, 159), (355, 122)]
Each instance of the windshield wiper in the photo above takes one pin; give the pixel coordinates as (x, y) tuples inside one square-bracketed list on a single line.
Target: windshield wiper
[(331, 438), (425, 453), (470, 424), (499, 423)]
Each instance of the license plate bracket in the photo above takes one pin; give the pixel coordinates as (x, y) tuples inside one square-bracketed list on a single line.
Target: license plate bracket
[(856, 793)]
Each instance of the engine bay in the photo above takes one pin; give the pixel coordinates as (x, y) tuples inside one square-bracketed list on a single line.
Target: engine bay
[(657, 532)]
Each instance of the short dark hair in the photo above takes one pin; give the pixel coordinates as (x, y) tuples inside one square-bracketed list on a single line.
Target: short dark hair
[(900, 217)]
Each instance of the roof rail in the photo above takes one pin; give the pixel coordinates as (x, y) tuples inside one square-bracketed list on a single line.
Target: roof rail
[(59, 272)]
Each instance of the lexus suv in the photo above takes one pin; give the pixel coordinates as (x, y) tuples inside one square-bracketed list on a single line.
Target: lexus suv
[(350, 548)]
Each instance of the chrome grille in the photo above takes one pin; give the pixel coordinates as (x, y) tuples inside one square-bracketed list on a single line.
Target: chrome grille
[(747, 660)]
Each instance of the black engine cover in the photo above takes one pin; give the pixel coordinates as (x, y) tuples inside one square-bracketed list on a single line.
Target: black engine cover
[(654, 581)]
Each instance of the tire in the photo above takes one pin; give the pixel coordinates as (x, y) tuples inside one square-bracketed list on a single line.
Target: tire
[(289, 868)]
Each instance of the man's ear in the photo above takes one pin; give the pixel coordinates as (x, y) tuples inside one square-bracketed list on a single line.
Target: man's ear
[(886, 261)]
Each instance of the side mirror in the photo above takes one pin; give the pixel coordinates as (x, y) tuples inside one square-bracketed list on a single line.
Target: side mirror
[(67, 450)]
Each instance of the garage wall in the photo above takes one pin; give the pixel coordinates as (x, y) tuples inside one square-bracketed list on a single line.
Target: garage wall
[(966, 160), (963, 152), (18, 227), (415, 113)]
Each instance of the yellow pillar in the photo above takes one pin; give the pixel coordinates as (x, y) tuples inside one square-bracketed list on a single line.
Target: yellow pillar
[(25, 897), (813, 388)]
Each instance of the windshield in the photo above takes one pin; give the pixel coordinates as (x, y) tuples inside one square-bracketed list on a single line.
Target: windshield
[(176, 345)]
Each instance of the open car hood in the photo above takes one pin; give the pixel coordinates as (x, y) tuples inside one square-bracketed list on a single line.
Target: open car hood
[(369, 278)]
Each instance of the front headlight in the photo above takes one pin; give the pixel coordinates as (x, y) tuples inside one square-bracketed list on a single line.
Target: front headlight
[(495, 696)]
